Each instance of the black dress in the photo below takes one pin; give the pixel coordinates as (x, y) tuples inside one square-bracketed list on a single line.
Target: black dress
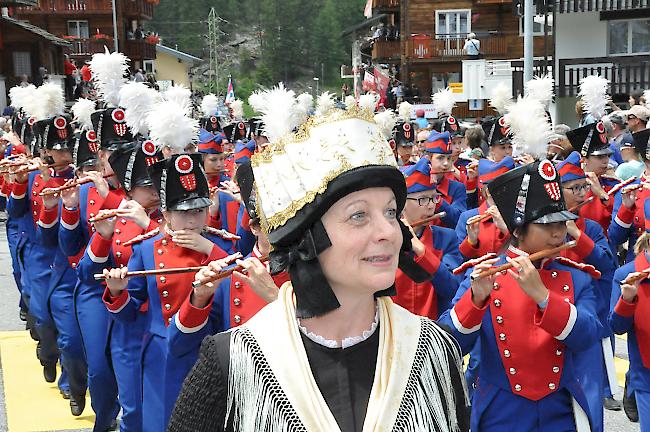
[(344, 378)]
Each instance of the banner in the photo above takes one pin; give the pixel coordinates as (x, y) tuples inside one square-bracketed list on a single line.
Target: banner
[(230, 95), (368, 82), (367, 12), (382, 82)]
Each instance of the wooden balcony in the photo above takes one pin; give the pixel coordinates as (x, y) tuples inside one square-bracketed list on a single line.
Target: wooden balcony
[(138, 9), (12, 3), (386, 51), (626, 74), (569, 6), (385, 5), (431, 49), (69, 7), (83, 48), (139, 50)]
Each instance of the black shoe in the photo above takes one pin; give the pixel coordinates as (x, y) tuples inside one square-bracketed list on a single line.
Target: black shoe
[(611, 404), (49, 372), (113, 426), (77, 405), (629, 405), (22, 315), (38, 350), (65, 394)]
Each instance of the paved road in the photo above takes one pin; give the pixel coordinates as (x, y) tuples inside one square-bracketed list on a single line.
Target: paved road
[(614, 421)]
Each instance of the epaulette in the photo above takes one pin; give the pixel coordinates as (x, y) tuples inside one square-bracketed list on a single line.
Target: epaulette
[(221, 233), (142, 237), (588, 268), (473, 262)]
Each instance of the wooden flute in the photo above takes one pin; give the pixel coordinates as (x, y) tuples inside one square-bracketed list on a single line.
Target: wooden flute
[(74, 184), (425, 221), (223, 274), (582, 204)]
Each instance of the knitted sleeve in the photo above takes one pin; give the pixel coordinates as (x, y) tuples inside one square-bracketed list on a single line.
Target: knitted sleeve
[(201, 405)]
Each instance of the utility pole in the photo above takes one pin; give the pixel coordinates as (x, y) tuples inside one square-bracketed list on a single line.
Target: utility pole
[(529, 12), (115, 38), (213, 44)]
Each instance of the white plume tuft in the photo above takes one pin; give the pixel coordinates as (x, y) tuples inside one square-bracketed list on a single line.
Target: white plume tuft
[(368, 101), (541, 89), (325, 103), (137, 100), (19, 95), (257, 101), (501, 97), (386, 120), (306, 102), (443, 102), (350, 102), (108, 74), (81, 110), (237, 107), (281, 113), (180, 95), (169, 126), (529, 126), (51, 101), (405, 111), (593, 91), (646, 96), (209, 105)]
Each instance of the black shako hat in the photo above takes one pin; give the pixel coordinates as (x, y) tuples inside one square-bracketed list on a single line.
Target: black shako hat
[(130, 162), (245, 180), (640, 143), (181, 182), (211, 123), (496, 131), (110, 126), (85, 148), (404, 134), (235, 131), (590, 140), (530, 194), (55, 133)]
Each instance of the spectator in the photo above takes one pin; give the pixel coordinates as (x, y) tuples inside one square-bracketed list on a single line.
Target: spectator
[(68, 69), (617, 129), (420, 121), (633, 166), (345, 90), (583, 117), (139, 33), (24, 81), (637, 118), (139, 76), (398, 91), (472, 47), (559, 147), (41, 76), (415, 93), (636, 98), (130, 35)]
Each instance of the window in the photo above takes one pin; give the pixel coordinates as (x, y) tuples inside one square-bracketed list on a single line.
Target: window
[(149, 66), (453, 24), (78, 29), (538, 25), (22, 63), (629, 36)]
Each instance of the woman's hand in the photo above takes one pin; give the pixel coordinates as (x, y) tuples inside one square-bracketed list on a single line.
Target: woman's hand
[(596, 188), (116, 280), (482, 288), (50, 201), (133, 210), (472, 232), (258, 277), (629, 198), (193, 240), (498, 219), (229, 187), (201, 294), (525, 273), (629, 291)]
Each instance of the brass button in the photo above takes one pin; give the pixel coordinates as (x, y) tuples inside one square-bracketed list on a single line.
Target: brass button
[(517, 387), (164, 242), (118, 254), (502, 336), (554, 274), (123, 221), (35, 203), (161, 265), (121, 265), (118, 242), (35, 213), (496, 286), (118, 231), (558, 352), (237, 319), (92, 215), (168, 306), (556, 369), (513, 371), (506, 353), (551, 386), (565, 288), (499, 319), (160, 251), (567, 300), (497, 302), (34, 193), (92, 202), (503, 272), (74, 265), (35, 183), (237, 284), (165, 293), (163, 279), (169, 320), (236, 301)]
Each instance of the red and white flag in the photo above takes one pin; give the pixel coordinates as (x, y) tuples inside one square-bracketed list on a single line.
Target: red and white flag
[(368, 10), (230, 95)]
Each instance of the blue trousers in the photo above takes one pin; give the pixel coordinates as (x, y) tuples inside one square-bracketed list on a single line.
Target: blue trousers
[(13, 238), (643, 405), (93, 321)]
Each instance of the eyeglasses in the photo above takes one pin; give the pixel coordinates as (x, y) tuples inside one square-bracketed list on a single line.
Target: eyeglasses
[(421, 141), (579, 188), (424, 201), (631, 117)]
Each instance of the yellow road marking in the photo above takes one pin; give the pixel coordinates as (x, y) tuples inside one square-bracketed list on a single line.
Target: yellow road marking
[(34, 405)]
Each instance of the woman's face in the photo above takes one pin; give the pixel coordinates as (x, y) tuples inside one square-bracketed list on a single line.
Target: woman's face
[(597, 164), (61, 157), (457, 146), (542, 236), (366, 240), (189, 220), (440, 163), (575, 191)]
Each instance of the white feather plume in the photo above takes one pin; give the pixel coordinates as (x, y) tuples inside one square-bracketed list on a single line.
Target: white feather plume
[(593, 92), (646, 96), (350, 102), (386, 120), (529, 126), (368, 101), (257, 101), (138, 99), (306, 102), (325, 103), (501, 97), (169, 126), (209, 105), (541, 89), (81, 111), (237, 107), (180, 95), (19, 95), (280, 112), (51, 101), (31, 102), (405, 111), (443, 102), (108, 75)]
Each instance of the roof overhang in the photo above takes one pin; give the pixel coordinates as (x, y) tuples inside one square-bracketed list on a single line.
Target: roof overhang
[(35, 30)]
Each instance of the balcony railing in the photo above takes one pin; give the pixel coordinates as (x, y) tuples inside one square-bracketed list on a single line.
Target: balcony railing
[(428, 47), (386, 50), (70, 6), (88, 47), (140, 50), (626, 74), (385, 4), (568, 6), (138, 9)]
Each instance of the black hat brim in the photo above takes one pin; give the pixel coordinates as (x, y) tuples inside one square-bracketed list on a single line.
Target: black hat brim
[(561, 216), (192, 204)]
